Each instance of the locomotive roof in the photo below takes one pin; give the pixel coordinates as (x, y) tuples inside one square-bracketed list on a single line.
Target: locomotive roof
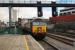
[(37, 19)]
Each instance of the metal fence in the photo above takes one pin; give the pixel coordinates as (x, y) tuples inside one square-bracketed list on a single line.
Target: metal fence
[(11, 30)]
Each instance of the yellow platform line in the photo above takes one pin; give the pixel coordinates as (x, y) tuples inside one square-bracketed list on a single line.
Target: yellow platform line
[(26, 44)]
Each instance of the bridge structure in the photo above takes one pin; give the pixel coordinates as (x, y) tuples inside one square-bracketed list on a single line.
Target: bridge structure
[(33, 3)]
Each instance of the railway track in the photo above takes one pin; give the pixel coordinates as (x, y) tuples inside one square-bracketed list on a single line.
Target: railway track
[(71, 35), (58, 44), (46, 45), (68, 34), (64, 39)]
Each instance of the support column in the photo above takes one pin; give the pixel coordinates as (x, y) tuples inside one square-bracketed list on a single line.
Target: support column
[(10, 19), (40, 14), (54, 10)]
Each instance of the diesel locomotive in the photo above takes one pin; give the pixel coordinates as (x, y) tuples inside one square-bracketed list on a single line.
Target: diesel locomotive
[(37, 28)]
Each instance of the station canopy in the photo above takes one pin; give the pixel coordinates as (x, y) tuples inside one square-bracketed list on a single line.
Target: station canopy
[(35, 1), (24, 1), (66, 1)]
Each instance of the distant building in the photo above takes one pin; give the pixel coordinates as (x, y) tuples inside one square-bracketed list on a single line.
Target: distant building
[(14, 15), (2, 24), (23, 21), (12, 25)]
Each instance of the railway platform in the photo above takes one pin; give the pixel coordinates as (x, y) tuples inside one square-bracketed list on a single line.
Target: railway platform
[(19, 42)]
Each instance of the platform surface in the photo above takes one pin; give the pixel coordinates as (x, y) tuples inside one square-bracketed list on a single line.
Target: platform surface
[(19, 42)]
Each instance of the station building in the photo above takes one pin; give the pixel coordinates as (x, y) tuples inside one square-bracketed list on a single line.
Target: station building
[(67, 11)]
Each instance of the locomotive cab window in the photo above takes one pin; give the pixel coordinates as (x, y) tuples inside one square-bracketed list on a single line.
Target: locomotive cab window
[(39, 23), (35, 23)]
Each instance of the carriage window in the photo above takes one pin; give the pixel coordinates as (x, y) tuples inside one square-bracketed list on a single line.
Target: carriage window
[(64, 13), (68, 13), (60, 14), (73, 11)]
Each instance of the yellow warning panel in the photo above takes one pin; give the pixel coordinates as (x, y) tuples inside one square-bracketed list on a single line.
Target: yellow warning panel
[(35, 28), (43, 28)]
